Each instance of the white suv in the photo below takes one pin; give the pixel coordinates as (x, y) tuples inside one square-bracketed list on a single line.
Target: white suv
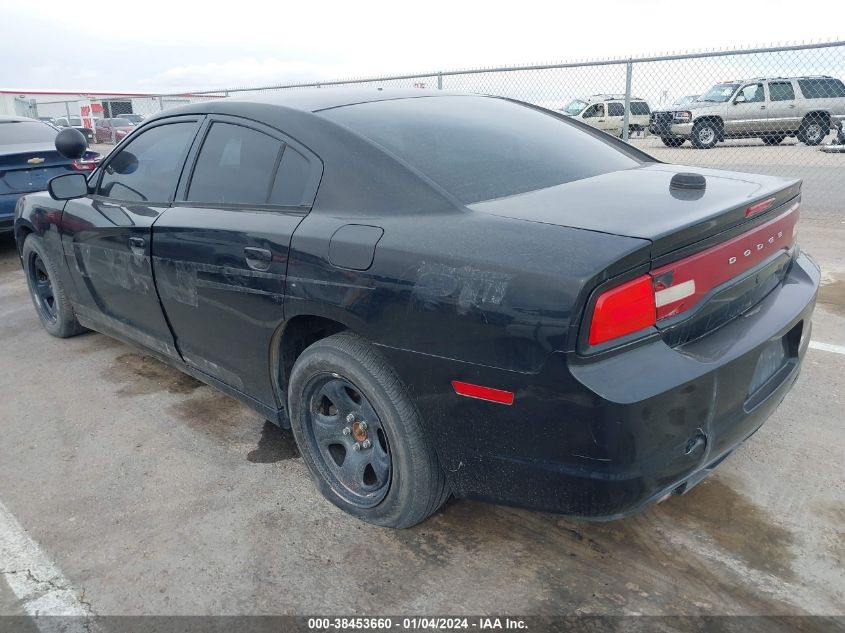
[(607, 113)]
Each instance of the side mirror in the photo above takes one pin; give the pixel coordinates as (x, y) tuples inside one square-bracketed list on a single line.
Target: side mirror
[(71, 143), (68, 186), (739, 99)]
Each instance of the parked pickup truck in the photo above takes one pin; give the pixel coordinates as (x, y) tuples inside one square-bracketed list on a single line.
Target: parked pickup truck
[(771, 109)]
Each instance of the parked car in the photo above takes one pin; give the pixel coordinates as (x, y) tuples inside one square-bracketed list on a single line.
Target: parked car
[(440, 294), (112, 130), (134, 119), (28, 160), (660, 121), (771, 108), (607, 113), (76, 123)]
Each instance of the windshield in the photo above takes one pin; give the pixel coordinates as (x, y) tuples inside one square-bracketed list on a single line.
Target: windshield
[(575, 106), (719, 93), (481, 148), (19, 132), (120, 123), (75, 120), (685, 100)]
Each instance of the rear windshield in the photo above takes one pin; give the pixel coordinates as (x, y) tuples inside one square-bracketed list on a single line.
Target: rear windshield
[(480, 148), (13, 133)]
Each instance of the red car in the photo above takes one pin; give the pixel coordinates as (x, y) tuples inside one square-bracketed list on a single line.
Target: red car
[(112, 130)]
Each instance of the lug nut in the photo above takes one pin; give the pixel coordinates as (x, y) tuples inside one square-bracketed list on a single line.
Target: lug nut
[(350, 418), (347, 430), (356, 446), (366, 444), (363, 425)]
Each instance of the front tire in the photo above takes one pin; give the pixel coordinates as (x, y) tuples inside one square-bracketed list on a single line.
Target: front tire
[(705, 134), (361, 436), (46, 290), (673, 141)]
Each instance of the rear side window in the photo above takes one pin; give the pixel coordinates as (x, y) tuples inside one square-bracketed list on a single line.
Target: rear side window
[(236, 165), (781, 91), (291, 187), (640, 107), (823, 88), (148, 168), (615, 109), (480, 148)]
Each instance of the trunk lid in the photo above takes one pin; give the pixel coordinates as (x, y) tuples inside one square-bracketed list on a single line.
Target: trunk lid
[(640, 203), (29, 167)]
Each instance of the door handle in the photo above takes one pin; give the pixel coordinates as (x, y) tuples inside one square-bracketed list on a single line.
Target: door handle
[(258, 258), (762, 107), (137, 245), (791, 106)]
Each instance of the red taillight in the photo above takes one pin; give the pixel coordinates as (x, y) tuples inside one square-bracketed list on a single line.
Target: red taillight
[(675, 288), (623, 310), (759, 207), (83, 165)]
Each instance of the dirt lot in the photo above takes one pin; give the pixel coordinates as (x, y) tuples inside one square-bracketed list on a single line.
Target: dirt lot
[(155, 494)]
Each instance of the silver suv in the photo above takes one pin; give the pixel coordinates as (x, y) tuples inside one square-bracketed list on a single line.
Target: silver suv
[(770, 108)]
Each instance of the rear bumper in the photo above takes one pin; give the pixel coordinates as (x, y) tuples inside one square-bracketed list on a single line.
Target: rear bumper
[(601, 439), (7, 210)]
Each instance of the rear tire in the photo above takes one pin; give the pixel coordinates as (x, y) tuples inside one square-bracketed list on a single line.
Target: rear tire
[(343, 375), (813, 129), (46, 290), (705, 134), (773, 139), (673, 141)]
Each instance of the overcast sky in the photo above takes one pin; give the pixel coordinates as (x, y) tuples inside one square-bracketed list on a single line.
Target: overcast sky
[(172, 46)]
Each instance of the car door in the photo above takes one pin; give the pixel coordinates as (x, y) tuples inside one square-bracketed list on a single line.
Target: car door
[(220, 252), (783, 113), (596, 116), (747, 113), (101, 130), (106, 235)]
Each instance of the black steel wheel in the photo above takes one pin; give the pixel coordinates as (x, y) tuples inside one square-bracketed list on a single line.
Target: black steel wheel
[(42, 288), (673, 141), (347, 436), (361, 435), (48, 296)]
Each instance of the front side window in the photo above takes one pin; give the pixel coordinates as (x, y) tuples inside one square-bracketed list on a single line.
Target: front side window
[(822, 88), (480, 148), (148, 168), (753, 93), (616, 109), (781, 91), (594, 111), (235, 165)]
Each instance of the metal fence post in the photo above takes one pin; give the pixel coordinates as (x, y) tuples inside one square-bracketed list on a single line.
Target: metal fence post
[(629, 66), (440, 81)]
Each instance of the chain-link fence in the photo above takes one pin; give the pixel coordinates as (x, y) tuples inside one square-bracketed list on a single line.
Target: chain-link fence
[(778, 110)]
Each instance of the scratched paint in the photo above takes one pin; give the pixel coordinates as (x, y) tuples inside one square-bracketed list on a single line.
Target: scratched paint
[(467, 285)]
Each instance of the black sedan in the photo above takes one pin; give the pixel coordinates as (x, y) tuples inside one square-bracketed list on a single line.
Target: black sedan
[(28, 160), (440, 294)]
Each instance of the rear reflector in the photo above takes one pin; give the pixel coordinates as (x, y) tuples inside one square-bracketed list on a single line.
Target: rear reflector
[(482, 393), (623, 310)]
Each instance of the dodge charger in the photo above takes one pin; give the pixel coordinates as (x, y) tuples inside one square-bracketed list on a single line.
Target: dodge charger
[(439, 294)]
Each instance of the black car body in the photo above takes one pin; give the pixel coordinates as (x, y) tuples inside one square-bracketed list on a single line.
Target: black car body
[(28, 160), (579, 327)]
